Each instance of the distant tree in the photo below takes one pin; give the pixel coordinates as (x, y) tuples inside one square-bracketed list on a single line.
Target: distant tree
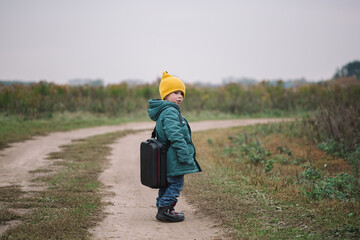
[(351, 69), (86, 81)]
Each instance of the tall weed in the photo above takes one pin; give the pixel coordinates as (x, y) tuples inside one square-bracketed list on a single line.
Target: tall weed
[(336, 126)]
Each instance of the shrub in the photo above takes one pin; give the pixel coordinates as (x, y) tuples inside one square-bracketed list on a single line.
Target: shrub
[(269, 166), (341, 187), (248, 148)]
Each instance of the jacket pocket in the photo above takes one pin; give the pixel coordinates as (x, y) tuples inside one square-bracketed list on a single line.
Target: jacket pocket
[(191, 149)]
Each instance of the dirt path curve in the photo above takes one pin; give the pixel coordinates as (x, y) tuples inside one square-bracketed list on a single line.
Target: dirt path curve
[(22, 157), (132, 214)]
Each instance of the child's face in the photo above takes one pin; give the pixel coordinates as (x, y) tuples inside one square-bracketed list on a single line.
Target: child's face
[(175, 97)]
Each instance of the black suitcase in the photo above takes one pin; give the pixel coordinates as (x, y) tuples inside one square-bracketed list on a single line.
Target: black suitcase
[(153, 163)]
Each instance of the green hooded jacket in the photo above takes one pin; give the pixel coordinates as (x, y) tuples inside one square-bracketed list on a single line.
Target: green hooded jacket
[(181, 155)]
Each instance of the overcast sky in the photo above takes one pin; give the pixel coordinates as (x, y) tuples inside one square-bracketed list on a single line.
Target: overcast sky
[(196, 40)]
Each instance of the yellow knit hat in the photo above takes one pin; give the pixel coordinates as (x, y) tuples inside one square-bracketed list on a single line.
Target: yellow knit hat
[(170, 84)]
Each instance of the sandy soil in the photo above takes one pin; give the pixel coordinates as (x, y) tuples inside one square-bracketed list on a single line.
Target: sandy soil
[(131, 214)]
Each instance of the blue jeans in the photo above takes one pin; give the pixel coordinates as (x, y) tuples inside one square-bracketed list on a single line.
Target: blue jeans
[(169, 194)]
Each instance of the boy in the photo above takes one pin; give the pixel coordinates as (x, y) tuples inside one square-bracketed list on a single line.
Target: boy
[(172, 127)]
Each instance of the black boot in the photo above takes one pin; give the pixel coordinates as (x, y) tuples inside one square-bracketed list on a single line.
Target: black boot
[(172, 209), (168, 214)]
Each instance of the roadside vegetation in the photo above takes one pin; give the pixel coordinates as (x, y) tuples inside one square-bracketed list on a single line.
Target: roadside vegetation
[(71, 201), (277, 181), (293, 180)]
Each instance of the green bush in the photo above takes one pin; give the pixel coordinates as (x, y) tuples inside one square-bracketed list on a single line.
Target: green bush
[(269, 166), (248, 148), (332, 147), (341, 187), (311, 174)]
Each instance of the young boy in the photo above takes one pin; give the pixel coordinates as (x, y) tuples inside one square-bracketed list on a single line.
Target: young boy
[(172, 127)]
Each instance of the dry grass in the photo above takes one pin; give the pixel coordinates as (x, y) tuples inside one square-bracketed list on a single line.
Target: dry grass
[(304, 149), (253, 204)]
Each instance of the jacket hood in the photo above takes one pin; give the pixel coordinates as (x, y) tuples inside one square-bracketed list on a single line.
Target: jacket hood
[(156, 106)]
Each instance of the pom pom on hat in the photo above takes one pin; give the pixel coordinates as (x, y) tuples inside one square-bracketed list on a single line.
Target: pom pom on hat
[(170, 84)]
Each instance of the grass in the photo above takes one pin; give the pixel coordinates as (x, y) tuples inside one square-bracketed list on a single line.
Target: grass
[(72, 201), (19, 128), (7, 194), (254, 202)]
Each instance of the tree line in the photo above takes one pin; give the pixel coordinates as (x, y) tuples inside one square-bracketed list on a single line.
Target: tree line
[(43, 98)]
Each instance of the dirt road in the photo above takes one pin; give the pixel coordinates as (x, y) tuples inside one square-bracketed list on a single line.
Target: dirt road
[(131, 214)]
